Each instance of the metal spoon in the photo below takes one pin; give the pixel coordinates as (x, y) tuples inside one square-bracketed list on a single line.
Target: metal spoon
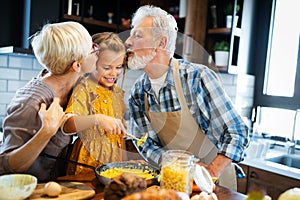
[(139, 140)]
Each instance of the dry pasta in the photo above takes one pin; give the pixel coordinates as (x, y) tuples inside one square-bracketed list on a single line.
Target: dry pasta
[(176, 178)]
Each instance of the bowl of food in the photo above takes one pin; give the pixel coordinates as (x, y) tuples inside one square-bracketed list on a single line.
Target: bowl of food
[(108, 171), (17, 186)]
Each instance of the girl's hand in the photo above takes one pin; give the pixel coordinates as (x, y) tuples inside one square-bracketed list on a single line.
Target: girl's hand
[(111, 125)]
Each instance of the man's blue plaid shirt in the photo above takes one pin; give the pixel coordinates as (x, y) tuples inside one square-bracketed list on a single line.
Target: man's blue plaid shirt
[(209, 104)]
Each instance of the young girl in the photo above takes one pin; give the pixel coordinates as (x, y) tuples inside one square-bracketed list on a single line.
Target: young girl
[(98, 95)]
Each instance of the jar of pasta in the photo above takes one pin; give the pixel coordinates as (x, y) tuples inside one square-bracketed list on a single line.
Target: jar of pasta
[(177, 171)]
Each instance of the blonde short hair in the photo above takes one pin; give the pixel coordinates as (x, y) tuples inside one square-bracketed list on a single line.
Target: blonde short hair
[(58, 45)]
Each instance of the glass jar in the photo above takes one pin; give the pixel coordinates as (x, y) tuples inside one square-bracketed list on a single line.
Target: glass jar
[(177, 170)]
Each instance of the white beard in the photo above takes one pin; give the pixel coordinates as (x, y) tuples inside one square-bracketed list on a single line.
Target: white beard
[(139, 62)]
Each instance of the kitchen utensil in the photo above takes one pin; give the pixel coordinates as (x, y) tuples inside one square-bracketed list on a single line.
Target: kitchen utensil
[(203, 179), (70, 190), (17, 186), (177, 170), (127, 165), (139, 140)]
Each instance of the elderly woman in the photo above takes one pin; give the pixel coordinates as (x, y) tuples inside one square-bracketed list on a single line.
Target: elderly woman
[(31, 138)]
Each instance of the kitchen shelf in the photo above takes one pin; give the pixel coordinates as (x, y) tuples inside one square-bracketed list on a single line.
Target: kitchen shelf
[(225, 31), (73, 17), (95, 22), (93, 14), (104, 24), (219, 31)]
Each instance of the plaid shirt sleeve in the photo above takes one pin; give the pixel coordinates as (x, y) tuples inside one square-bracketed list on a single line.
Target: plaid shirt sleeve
[(218, 117)]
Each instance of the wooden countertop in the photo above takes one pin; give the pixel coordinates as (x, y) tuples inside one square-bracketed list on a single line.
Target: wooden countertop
[(91, 180)]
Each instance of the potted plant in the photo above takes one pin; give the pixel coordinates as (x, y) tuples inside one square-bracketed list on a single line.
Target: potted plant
[(221, 50), (228, 12)]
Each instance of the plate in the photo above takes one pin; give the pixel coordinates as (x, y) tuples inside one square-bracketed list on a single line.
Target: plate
[(128, 165), (70, 190)]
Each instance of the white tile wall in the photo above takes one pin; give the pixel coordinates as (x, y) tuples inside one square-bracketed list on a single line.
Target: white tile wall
[(9, 74), (15, 71), (3, 61), (22, 62), (3, 85)]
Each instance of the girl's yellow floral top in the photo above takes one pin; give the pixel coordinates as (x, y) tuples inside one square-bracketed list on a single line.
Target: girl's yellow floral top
[(94, 146)]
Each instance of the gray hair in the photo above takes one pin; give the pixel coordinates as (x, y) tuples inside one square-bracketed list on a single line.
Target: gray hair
[(164, 24)]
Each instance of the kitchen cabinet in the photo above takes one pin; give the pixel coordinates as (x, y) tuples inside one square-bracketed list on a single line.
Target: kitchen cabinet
[(240, 36), (273, 184), (242, 182), (21, 19), (99, 16), (218, 31)]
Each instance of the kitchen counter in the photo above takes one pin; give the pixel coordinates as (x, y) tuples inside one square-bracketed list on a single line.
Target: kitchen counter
[(91, 180), (263, 164)]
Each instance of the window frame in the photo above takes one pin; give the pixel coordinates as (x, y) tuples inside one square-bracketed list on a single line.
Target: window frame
[(265, 13)]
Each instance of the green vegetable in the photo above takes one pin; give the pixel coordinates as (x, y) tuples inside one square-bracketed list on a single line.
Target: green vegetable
[(256, 195)]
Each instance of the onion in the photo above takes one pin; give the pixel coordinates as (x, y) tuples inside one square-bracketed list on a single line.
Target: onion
[(291, 194)]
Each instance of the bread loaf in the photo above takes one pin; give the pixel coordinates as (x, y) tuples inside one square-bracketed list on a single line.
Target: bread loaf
[(154, 194), (124, 185)]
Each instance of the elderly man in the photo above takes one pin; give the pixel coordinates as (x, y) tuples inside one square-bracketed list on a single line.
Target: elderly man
[(180, 105)]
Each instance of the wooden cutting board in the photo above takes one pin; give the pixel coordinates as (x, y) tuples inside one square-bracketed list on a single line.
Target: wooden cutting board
[(70, 190)]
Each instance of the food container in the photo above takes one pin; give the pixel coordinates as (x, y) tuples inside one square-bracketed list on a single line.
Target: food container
[(17, 186), (116, 168), (177, 170), (203, 179)]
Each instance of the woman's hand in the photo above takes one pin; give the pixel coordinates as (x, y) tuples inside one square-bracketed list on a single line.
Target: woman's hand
[(51, 118), (20, 159)]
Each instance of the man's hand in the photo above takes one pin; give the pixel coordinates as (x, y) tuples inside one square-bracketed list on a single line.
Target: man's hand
[(216, 167)]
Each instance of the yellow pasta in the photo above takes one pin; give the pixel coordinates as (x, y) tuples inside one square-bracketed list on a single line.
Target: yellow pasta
[(113, 172), (176, 178), (142, 140)]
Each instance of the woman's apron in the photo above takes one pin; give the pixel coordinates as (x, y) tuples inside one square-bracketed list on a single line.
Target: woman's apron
[(179, 130)]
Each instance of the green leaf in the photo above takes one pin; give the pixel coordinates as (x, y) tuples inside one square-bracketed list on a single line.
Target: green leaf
[(228, 10), (221, 46)]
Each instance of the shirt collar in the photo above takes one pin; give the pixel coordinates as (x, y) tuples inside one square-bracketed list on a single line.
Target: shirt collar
[(169, 82)]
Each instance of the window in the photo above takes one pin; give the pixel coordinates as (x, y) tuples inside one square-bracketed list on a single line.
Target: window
[(283, 49), (279, 96), (278, 122)]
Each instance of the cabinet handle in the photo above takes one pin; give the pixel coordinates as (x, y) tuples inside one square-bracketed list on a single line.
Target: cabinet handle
[(253, 175)]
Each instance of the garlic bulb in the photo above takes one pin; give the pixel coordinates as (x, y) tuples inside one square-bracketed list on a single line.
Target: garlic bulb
[(52, 189), (205, 196)]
